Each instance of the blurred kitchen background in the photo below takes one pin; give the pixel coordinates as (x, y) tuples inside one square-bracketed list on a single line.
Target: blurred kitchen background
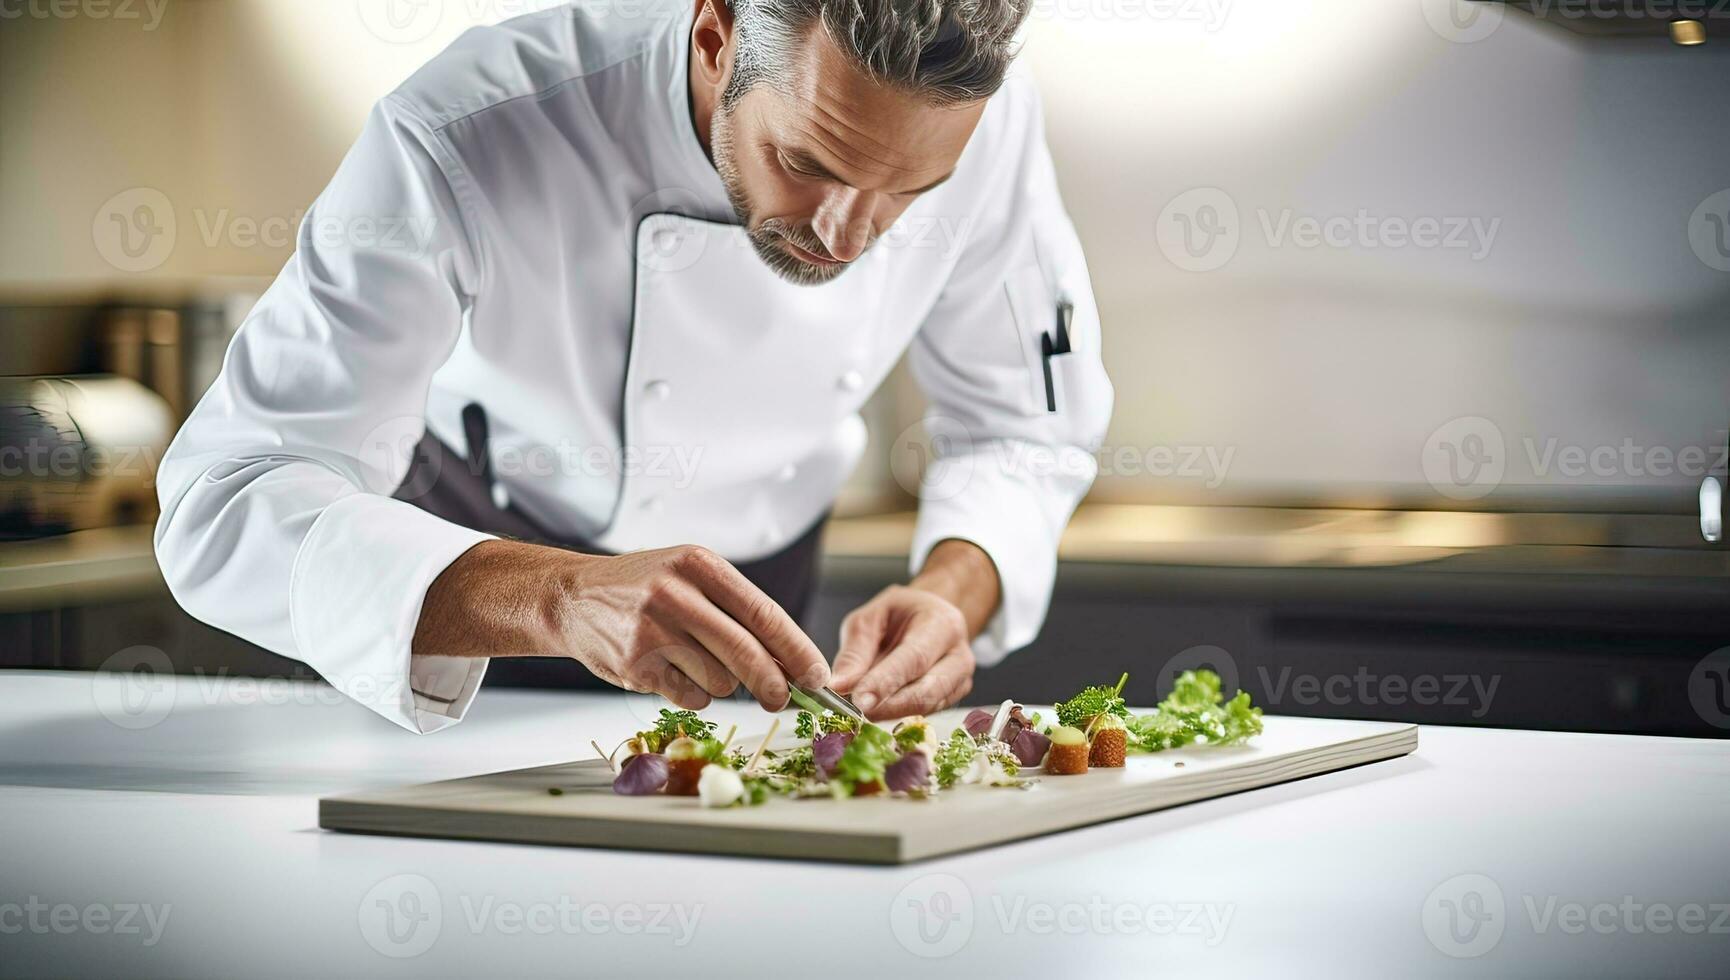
[(1418, 313)]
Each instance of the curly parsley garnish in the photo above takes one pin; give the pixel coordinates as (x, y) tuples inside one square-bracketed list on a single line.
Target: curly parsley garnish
[(1079, 710), (673, 724)]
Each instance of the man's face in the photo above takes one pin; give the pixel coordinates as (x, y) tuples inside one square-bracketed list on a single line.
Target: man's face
[(818, 171)]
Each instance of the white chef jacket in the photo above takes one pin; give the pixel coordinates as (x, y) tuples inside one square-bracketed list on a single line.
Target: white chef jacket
[(530, 223)]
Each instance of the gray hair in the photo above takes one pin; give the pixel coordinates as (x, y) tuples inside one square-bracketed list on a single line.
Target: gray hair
[(948, 51)]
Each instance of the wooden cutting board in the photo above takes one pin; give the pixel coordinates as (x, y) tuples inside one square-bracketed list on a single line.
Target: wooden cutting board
[(516, 806)]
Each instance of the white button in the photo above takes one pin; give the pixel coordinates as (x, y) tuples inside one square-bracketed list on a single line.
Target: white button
[(786, 473), (852, 381), (653, 505), (501, 499), (658, 390), (666, 241)]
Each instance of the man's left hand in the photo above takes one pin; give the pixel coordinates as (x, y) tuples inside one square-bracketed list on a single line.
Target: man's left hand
[(909, 650)]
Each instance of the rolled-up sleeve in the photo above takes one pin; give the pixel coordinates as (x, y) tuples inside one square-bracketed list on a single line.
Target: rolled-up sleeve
[(1009, 461), (277, 519)]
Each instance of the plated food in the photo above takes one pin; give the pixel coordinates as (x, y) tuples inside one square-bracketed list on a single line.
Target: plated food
[(839, 757)]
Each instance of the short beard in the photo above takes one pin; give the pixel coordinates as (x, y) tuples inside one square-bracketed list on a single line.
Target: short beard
[(767, 237)]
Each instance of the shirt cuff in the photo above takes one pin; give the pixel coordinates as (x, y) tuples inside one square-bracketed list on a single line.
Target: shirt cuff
[(355, 598), (1013, 523)]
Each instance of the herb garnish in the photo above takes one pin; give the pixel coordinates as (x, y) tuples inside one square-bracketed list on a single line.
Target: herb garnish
[(673, 724), (805, 725), (1194, 712), (1093, 701), (910, 735), (954, 757), (864, 760)]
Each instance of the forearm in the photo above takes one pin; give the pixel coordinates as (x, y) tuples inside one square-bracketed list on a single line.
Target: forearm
[(493, 601), (962, 573)]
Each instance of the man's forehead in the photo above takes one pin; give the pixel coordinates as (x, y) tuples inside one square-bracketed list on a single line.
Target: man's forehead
[(834, 110)]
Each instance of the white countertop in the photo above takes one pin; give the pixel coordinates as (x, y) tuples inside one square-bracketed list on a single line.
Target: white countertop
[(188, 845)]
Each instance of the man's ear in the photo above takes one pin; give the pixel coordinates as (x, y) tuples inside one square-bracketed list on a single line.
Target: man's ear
[(712, 42)]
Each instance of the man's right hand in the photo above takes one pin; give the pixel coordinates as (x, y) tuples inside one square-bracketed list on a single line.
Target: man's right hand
[(680, 622)]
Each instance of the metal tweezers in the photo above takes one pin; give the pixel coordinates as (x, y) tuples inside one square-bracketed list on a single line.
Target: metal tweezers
[(824, 698)]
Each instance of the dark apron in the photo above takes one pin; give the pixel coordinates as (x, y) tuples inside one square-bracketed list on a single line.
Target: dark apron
[(460, 490)]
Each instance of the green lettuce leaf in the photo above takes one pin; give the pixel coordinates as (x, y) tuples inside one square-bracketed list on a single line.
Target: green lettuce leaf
[(864, 760), (1194, 712)]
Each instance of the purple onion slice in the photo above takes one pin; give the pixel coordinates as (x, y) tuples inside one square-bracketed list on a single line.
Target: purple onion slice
[(1029, 747), (909, 773), (978, 721), (641, 775), (826, 750)]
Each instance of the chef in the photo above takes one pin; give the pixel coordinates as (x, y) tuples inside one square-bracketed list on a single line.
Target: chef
[(565, 371)]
